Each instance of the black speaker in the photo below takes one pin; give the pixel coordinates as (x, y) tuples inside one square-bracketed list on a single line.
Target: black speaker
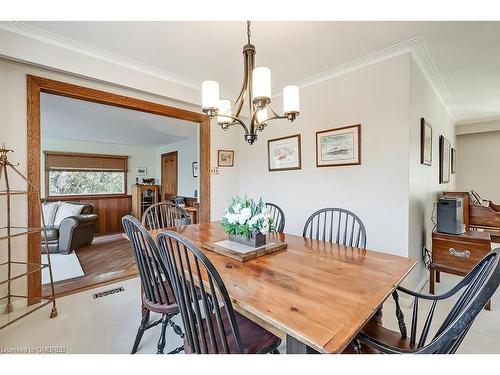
[(450, 215)]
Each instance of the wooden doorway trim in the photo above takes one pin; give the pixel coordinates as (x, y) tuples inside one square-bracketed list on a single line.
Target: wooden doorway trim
[(176, 171), (37, 85)]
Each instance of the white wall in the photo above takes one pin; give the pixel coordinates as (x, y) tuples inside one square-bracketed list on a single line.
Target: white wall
[(138, 156), (377, 191), (477, 168), (424, 180), (187, 152), (228, 178)]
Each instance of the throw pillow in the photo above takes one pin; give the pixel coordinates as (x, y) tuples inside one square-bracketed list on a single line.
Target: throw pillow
[(66, 210), (49, 212)]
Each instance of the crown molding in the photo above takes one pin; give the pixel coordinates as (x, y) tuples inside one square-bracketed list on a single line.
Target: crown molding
[(48, 37), (426, 64), (478, 127), (359, 63), (414, 46), (477, 120)]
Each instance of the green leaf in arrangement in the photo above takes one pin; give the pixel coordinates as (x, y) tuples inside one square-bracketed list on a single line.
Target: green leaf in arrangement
[(244, 217)]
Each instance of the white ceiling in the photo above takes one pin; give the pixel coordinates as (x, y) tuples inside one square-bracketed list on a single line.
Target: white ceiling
[(465, 54), (74, 119)]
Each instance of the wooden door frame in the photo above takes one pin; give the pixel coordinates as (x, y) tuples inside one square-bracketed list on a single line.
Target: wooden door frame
[(176, 169), (35, 86)]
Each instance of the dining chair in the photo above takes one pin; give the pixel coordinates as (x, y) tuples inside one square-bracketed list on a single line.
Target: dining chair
[(278, 216), (336, 225), (157, 295), (478, 287), (209, 329), (165, 215)]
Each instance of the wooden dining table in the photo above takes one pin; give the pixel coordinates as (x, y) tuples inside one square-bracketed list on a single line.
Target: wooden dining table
[(315, 295)]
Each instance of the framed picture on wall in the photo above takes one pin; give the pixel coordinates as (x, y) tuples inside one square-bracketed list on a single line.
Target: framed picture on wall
[(444, 160), (194, 167), (425, 142), (141, 171), (225, 158), (340, 146), (283, 154), (453, 161)]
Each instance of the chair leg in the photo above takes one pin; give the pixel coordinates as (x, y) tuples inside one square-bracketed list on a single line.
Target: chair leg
[(399, 315), (175, 327), (140, 331), (356, 345), (162, 341)]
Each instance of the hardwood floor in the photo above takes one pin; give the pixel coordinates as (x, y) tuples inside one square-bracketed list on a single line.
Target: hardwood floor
[(109, 259)]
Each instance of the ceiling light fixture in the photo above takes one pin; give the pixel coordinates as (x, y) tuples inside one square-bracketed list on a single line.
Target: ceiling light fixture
[(257, 89)]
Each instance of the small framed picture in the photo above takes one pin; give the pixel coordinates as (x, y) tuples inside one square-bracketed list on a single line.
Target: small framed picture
[(453, 161), (340, 146), (194, 167), (444, 160), (425, 142), (141, 171), (283, 154), (225, 158)]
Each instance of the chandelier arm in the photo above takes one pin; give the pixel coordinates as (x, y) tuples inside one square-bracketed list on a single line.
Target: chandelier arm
[(241, 98), (277, 117), (253, 119), (236, 120), (273, 112), (274, 116)]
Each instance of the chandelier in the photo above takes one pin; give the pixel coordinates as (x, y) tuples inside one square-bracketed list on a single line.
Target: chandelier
[(256, 89)]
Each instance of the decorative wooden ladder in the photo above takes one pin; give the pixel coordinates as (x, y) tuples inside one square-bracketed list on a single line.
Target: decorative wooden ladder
[(17, 269)]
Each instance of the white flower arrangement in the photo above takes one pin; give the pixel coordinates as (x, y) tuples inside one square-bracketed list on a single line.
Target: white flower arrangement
[(244, 217)]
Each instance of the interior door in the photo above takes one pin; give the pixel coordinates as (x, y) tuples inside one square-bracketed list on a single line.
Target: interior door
[(168, 174)]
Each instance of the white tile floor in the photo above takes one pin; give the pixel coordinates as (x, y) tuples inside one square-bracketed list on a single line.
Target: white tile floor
[(109, 324)]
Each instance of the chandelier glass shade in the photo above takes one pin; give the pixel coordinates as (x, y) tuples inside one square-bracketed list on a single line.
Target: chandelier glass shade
[(256, 91)]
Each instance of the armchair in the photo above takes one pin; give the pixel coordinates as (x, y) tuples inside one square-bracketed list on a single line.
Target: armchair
[(73, 232)]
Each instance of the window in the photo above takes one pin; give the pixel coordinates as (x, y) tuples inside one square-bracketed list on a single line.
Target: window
[(84, 174)]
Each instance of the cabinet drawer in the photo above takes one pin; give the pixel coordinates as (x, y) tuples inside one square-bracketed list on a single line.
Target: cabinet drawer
[(458, 255)]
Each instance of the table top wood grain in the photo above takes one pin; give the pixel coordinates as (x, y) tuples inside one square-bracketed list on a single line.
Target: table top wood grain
[(317, 292)]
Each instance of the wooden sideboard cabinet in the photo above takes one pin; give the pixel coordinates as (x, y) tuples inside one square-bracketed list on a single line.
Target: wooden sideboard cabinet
[(457, 254)]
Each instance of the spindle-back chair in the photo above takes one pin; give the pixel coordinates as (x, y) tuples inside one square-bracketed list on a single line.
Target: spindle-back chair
[(278, 216), (208, 329), (157, 294), (476, 288), (165, 215), (336, 225)]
